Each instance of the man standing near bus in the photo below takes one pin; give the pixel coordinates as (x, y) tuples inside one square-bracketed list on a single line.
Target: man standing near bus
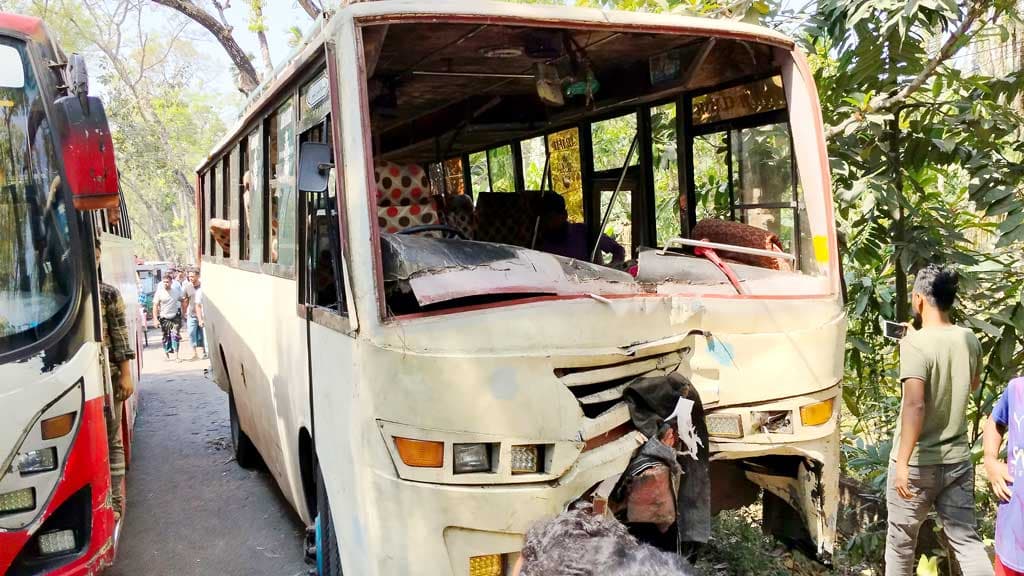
[(194, 313), (931, 458), (119, 355), (167, 311), (1007, 420)]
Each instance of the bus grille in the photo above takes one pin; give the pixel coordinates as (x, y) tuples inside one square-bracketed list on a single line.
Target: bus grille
[(599, 389)]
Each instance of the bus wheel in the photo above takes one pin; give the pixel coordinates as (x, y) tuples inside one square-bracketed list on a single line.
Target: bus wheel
[(245, 452), (328, 556)]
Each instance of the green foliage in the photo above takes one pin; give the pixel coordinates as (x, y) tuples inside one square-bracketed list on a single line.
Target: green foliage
[(163, 117), (927, 168)]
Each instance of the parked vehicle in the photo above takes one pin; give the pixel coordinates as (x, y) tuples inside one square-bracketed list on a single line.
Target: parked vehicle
[(58, 187), (421, 379)]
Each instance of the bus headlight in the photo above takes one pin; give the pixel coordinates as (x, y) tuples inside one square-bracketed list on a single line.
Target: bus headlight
[(37, 461), (18, 501), (471, 458), (725, 425), (57, 542), (525, 459), (817, 413)]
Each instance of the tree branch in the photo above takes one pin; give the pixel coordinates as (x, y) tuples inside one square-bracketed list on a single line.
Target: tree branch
[(220, 10), (256, 25), (312, 9), (949, 48), (248, 79)]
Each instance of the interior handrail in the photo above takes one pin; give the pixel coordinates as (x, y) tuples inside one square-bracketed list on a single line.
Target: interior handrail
[(725, 248)]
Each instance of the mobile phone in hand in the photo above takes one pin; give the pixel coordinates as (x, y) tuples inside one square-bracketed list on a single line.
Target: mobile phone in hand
[(893, 330)]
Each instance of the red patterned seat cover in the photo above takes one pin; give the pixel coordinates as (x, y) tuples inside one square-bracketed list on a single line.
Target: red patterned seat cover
[(403, 197)]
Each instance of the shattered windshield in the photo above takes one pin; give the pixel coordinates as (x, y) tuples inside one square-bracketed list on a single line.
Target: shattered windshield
[(36, 272)]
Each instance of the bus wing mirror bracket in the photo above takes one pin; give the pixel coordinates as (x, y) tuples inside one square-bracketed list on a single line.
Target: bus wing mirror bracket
[(90, 169), (314, 167)]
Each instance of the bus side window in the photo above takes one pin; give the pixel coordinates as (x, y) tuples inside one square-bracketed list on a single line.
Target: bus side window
[(211, 208), (252, 197), (282, 201)]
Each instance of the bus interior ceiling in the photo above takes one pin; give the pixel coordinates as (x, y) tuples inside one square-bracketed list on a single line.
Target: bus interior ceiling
[(441, 93)]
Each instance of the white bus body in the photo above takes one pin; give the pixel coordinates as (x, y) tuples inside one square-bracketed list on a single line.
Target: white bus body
[(316, 388)]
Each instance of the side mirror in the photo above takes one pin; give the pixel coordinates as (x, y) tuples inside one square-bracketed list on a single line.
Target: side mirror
[(78, 75), (88, 153), (314, 167)]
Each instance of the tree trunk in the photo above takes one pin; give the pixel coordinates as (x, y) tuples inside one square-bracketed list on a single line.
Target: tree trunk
[(899, 225), (248, 79), (268, 64)]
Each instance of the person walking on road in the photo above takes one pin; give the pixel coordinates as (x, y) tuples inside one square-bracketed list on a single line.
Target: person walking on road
[(196, 321), (167, 303), (931, 458), (119, 354), (1007, 419)]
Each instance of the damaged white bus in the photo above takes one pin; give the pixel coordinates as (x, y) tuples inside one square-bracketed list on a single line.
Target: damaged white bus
[(422, 375)]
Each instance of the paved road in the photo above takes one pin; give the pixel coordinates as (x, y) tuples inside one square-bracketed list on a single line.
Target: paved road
[(192, 511)]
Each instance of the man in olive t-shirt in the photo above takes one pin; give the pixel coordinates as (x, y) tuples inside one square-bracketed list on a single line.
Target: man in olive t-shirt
[(931, 458)]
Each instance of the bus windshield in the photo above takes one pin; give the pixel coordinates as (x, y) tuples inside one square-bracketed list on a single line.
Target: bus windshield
[(36, 271), (516, 161)]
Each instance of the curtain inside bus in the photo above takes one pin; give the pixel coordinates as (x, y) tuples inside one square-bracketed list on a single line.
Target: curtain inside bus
[(36, 267)]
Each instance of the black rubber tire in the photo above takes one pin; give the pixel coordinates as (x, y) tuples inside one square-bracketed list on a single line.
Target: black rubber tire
[(245, 451), (331, 553)]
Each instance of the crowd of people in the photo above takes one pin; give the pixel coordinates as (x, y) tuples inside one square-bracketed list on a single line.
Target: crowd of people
[(178, 301)]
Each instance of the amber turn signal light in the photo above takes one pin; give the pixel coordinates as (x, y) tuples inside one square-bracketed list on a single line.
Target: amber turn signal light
[(420, 453), (58, 426), (817, 413)]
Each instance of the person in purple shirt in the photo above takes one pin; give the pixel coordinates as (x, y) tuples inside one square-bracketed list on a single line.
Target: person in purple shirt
[(569, 239), (1007, 419)]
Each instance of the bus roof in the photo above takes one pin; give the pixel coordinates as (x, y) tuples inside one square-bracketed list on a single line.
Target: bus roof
[(25, 25), (483, 12)]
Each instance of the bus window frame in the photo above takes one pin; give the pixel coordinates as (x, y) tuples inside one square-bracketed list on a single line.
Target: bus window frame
[(330, 122), (680, 96), (727, 127), (232, 161)]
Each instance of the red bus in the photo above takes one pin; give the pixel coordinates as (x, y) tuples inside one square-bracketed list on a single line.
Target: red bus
[(58, 183)]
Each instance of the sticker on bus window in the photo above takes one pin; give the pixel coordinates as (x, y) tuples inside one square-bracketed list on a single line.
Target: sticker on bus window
[(821, 249)]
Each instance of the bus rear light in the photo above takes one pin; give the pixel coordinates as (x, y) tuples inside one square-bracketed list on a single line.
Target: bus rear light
[(725, 425), (420, 453), (817, 413), (58, 426), (525, 459), (18, 501), (38, 461), (468, 458), (57, 542), (490, 565)]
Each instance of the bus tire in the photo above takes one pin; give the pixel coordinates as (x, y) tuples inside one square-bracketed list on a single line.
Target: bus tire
[(245, 451), (328, 553)]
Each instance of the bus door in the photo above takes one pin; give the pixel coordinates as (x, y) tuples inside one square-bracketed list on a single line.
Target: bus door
[(330, 332), (624, 212)]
